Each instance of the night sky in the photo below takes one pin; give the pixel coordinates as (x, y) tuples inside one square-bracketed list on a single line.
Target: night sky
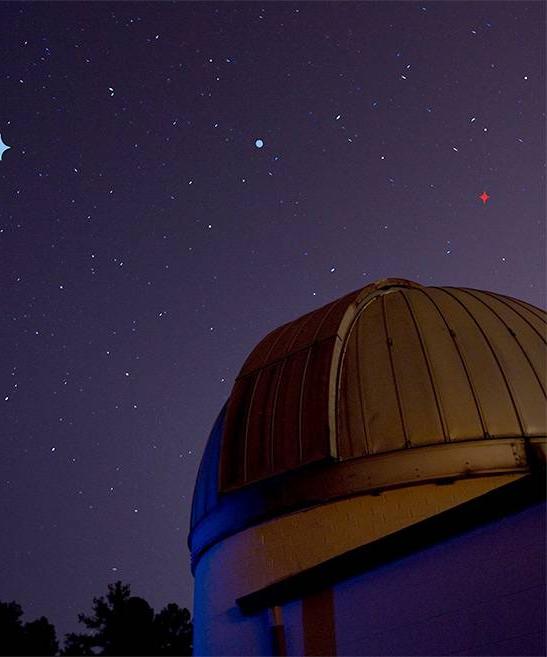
[(182, 178)]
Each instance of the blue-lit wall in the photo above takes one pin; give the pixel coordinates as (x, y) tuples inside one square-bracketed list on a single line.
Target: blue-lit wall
[(482, 593), (479, 593)]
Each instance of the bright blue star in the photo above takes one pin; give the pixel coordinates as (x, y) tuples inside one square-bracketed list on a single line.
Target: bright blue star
[(3, 147), (259, 143)]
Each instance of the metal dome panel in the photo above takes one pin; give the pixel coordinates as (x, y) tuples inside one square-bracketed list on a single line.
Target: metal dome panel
[(390, 385), (277, 415), (434, 365)]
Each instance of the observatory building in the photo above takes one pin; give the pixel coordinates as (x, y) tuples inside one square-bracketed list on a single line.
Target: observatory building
[(374, 484)]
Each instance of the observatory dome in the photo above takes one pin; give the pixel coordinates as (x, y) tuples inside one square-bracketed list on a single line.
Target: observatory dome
[(392, 385)]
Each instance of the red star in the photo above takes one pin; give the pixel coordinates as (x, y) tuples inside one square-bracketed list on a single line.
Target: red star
[(484, 197)]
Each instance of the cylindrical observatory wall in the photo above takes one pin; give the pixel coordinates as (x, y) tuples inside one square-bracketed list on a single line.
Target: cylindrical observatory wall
[(374, 484)]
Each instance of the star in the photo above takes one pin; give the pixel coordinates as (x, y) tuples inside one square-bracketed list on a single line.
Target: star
[(484, 197), (3, 147)]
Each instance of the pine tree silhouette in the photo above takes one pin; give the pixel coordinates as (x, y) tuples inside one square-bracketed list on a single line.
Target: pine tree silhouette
[(122, 624)]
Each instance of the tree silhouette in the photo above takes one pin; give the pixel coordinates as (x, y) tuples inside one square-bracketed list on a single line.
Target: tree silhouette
[(123, 624), (11, 628), (34, 638), (39, 638), (78, 644), (120, 624), (173, 630)]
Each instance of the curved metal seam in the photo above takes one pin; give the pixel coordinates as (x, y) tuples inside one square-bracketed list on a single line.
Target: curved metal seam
[(247, 415), (397, 393), (274, 344), (301, 395), (274, 410), (515, 336), (429, 368), (538, 313), (361, 303), (495, 355), (250, 406), (300, 399), (527, 306), (278, 385), (281, 358), (360, 307), (452, 334), (502, 300), (307, 316), (360, 384)]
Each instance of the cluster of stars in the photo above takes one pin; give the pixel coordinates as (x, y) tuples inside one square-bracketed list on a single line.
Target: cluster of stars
[(158, 221)]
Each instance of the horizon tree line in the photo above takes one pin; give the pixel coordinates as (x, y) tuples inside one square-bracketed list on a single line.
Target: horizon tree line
[(120, 624)]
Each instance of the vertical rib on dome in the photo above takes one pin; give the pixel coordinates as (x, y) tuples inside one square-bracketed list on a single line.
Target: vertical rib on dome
[(276, 420), (430, 365), (389, 367), (390, 385)]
